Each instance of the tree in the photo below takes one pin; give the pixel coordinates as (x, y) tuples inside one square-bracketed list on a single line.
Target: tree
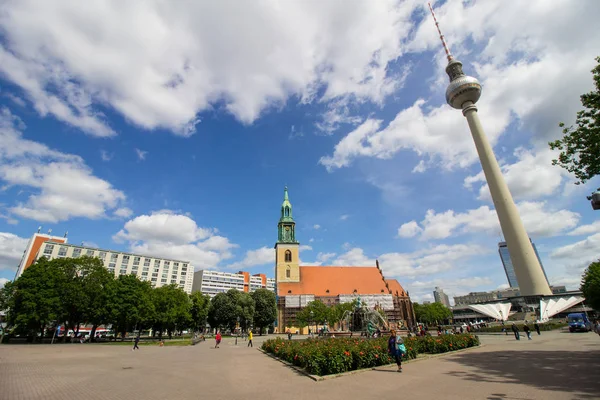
[(337, 311), (199, 308), (580, 147), (590, 285), (223, 311), (320, 313), (6, 301), (36, 300), (130, 303), (171, 309), (265, 308), (431, 313)]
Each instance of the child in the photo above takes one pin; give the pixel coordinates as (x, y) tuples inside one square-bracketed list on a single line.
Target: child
[(217, 339)]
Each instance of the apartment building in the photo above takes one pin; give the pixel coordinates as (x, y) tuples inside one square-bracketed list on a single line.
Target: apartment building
[(158, 271), (213, 282)]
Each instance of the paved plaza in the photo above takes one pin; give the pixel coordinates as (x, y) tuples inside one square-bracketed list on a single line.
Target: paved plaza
[(552, 366)]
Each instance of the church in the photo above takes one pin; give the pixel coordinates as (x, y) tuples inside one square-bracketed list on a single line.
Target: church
[(298, 285)]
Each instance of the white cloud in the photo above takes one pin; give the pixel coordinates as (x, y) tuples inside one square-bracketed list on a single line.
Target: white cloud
[(452, 287), (304, 247), (532, 176), (160, 66), (3, 282), (353, 257), (11, 250), (586, 229), (539, 36), (324, 257), (344, 217), (537, 218), (63, 185), (409, 229), (311, 240), (105, 155), (253, 258), (141, 154), (171, 235), (316, 226), (582, 252), (123, 212), (90, 244)]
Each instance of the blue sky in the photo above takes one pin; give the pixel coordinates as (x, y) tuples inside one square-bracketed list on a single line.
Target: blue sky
[(173, 132)]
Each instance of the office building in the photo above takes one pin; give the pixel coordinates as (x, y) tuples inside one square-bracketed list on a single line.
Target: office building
[(158, 271), (508, 265), (441, 297), (213, 282)]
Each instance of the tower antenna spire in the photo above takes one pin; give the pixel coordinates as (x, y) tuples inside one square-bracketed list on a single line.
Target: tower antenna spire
[(437, 25)]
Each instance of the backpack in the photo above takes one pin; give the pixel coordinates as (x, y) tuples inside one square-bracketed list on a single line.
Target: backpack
[(402, 348)]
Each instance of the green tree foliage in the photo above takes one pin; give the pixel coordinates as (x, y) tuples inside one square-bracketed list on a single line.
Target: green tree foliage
[(320, 313), (337, 311), (432, 313), (130, 303), (36, 300), (171, 309), (580, 146), (590, 285), (222, 311), (199, 308), (265, 308)]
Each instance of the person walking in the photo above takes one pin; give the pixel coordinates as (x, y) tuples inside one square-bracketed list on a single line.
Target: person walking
[(536, 326), (250, 339), (135, 343), (527, 331), (217, 339), (395, 346), (515, 330)]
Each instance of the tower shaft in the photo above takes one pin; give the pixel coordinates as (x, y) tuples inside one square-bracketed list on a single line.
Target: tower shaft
[(526, 265)]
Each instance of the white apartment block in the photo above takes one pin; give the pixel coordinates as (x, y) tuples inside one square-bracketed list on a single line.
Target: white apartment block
[(158, 271), (213, 282)]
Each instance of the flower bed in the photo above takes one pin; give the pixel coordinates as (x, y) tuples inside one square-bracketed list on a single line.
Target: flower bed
[(334, 356)]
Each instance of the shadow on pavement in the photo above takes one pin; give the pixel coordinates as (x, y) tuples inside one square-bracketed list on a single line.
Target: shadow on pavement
[(565, 371)]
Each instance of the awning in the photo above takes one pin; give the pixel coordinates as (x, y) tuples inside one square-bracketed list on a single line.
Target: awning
[(497, 310)]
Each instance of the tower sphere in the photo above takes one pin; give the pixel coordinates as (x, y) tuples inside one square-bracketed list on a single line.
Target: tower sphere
[(462, 89)]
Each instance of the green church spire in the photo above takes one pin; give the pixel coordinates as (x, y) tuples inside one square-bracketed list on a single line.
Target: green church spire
[(287, 226)]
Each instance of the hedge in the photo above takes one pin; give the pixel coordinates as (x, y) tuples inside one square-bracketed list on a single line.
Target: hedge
[(337, 355)]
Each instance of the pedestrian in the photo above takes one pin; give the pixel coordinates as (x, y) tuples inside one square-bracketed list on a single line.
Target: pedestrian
[(217, 339), (515, 330), (598, 327), (536, 326), (250, 339), (527, 331), (135, 343), (395, 346)]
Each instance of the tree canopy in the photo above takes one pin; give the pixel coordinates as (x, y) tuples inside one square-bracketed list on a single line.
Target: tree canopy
[(265, 308), (580, 146), (590, 285), (431, 313)]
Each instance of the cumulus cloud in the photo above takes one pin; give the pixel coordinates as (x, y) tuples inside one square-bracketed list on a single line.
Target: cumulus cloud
[(539, 37), (316, 226), (253, 258), (532, 176), (141, 154), (586, 229), (159, 66), (538, 219), (11, 250), (63, 185), (123, 212), (171, 235)]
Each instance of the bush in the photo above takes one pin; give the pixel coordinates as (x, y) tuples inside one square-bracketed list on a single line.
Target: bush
[(334, 356)]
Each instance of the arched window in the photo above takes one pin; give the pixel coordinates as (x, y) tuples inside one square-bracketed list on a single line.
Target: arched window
[(287, 211), (288, 256), (288, 272)]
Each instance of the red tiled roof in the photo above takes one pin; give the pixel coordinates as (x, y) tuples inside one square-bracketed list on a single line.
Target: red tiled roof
[(396, 287), (333, 281)]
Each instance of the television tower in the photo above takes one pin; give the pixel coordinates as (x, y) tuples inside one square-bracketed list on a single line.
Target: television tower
[(462, 93)]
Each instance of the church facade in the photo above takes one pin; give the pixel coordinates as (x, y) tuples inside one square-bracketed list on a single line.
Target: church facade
[(298, 285)]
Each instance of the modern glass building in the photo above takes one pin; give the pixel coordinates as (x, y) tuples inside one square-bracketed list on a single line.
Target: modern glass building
[(510, 269)]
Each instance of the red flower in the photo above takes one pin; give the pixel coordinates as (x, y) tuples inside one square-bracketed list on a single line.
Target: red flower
[(361, 353), (376, 355)]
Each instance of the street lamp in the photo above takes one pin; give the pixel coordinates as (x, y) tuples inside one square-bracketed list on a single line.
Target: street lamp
[(595, 199), (237, 330), (312, 318)]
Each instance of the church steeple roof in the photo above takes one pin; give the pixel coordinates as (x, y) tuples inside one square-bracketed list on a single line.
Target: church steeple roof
[(286, 208)]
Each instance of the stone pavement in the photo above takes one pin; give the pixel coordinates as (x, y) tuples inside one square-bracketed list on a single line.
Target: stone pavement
[(552, 366)]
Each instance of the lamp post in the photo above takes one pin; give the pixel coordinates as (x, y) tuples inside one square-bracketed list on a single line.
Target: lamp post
[(237, 333), (312, 318), (462, 93), (595, 199)]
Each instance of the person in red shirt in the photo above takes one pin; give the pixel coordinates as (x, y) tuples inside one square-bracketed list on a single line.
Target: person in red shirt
[(217, 339)]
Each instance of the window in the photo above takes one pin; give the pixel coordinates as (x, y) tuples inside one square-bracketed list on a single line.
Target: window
[(175, 265), (288, 272), (173, 276), (155, 274), (288, 256), (182, 282), (163, 281), (184, 268), (102, 255), (173, 280), (48, 249), (183, 273), (156, 263), (167, 264), (144, 274), (123, 271), (62, 251), (145, 269), (153, 279), (136, 260), (146, 262), (156, 269), (89, 253), (76, 253), (112, 265), (114, 256)]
